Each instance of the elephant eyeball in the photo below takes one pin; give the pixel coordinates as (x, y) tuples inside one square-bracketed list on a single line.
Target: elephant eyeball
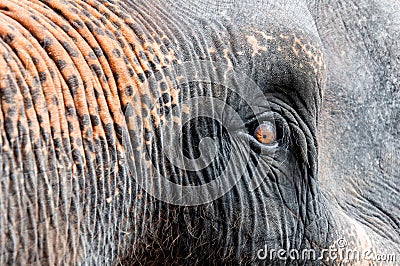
[(265, 133)]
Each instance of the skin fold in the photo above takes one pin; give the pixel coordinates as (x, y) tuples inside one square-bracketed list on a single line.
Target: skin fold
[(99, 99)]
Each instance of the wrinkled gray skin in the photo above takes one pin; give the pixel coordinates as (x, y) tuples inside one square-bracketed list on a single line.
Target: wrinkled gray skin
[(335, 175)]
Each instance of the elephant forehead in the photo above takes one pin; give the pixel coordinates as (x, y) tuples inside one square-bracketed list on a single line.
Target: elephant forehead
[(252, 49), (293, 47)]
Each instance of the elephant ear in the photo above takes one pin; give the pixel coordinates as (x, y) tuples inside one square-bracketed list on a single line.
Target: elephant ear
[(359, 136)]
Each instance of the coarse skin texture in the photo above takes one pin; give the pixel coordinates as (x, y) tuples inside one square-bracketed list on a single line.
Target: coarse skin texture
[(70, 70)]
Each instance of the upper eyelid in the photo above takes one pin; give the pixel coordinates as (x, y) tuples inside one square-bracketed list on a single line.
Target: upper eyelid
[(260, 118), (277, 120)]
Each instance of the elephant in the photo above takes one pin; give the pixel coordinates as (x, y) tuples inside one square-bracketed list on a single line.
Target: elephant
[(199, 132)]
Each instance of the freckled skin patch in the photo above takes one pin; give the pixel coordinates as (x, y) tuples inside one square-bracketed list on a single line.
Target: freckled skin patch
[(292, 46), (255, 46)]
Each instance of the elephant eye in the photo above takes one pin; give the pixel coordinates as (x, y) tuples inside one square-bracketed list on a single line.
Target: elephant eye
[(265, 133)]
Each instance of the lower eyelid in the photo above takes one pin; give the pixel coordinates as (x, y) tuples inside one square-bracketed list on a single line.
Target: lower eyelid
[(263, 147)]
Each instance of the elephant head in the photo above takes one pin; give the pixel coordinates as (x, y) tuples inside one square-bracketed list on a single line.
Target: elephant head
[(183, 132)]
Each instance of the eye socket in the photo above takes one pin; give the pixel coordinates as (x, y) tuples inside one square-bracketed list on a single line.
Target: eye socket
[(265, 133)]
